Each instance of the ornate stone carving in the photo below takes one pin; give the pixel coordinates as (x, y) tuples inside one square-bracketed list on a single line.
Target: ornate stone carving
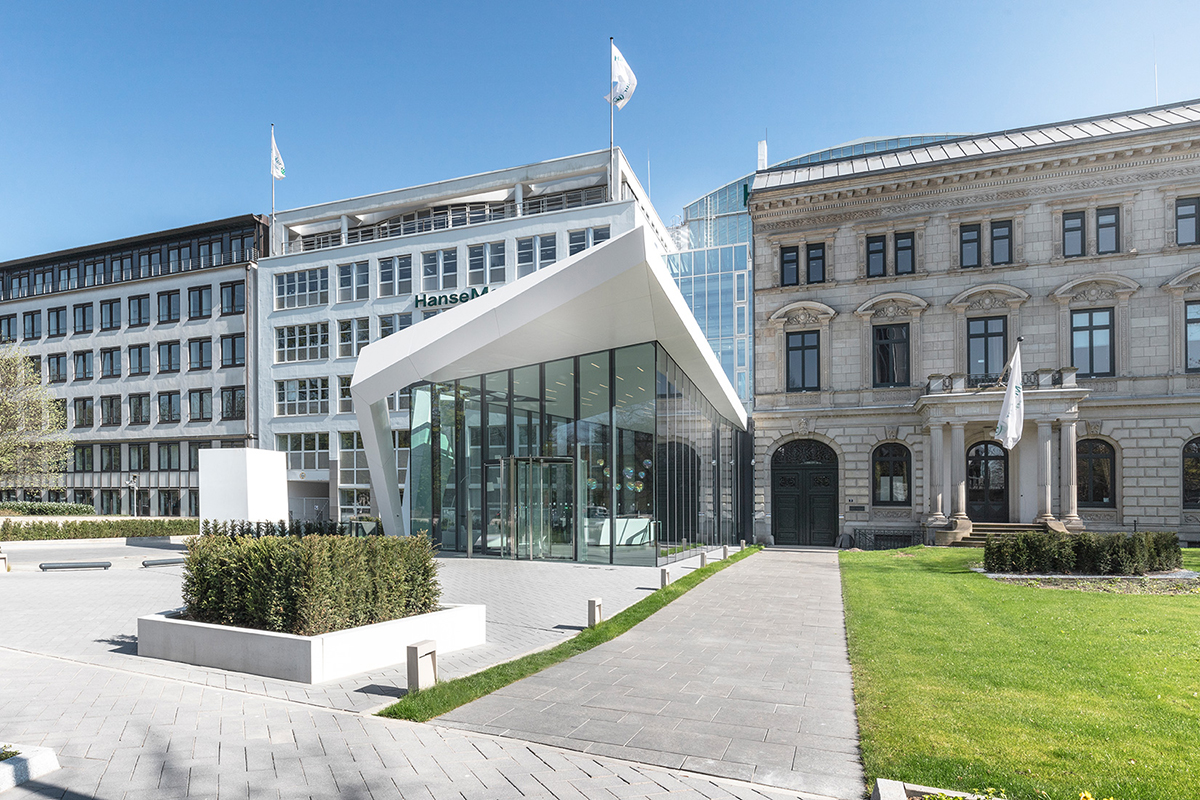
[(1094, 291), (891, 310), (803, 317), (892, 397), (892, 431), (890, 513), (988, 301), (1099, 387), (805, 399), (801, 426), (804, 451)]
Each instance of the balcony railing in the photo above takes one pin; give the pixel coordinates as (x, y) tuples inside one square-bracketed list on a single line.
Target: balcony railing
[(447, 218), (68, 282), (995, 381)]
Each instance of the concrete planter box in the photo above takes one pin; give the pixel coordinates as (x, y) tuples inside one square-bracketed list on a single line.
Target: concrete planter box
[(307, 659), (33, 763)]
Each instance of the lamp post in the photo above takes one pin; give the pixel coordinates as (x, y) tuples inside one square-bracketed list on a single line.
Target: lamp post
[(132, 483)]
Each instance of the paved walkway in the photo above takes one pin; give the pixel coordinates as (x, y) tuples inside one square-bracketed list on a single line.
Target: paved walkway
[(746, 676)]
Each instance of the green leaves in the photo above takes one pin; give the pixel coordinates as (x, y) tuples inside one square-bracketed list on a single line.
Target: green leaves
[(1083, 553)]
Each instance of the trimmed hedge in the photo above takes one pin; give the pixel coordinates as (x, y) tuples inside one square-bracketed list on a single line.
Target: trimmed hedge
[(308, 585), (1083, 553), (24, 509), (305, 527), (96, 528)]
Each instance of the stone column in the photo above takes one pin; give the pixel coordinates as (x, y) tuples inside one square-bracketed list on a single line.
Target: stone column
[(958, 470), (1069, 475), (1044, 480), (936, 474)]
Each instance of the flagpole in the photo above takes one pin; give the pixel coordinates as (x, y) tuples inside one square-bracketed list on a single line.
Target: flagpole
[(272, 237), (611, 104)]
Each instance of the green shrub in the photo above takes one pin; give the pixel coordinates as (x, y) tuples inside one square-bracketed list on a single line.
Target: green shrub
[(304, 527), (96, 528), (1084, 553), (308, 585), (25, 509)]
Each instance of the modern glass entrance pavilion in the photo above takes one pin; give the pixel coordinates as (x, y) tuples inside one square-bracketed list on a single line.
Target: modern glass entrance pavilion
[(611, 457)]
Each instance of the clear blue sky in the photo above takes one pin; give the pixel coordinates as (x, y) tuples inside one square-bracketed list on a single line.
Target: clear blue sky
[(124, 118)]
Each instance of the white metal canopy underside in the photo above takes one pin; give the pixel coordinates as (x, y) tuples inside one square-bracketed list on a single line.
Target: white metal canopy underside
[(616, 294)]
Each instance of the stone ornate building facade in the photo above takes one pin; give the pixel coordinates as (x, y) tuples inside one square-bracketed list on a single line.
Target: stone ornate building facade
[(892, 289)]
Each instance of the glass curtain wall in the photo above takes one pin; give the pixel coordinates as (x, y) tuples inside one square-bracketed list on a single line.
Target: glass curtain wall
[(656, 470)]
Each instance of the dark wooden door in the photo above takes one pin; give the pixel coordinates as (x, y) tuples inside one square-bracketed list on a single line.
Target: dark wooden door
[(804, 494), (987, 483)]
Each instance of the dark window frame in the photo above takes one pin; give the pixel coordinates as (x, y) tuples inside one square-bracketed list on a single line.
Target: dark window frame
[(1088, 453), (815, 267), (1191, 347), (985, 336), (881, 363), (964, 243), (1187, 208), (1115, 225), (1006, 226), (1079, 218), (897, 458), (1091, 327), (905, 242), (789, 266), (808, 344), (1190, 482), (876, 256)]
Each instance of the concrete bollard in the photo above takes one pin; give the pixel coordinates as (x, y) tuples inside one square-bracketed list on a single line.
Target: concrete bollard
[(664, 577), (742, 544), (703, 559), (595, 612), (422, 665), (724, 551)]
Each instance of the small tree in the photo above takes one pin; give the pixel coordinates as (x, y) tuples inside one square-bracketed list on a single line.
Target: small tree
[(34, 445)]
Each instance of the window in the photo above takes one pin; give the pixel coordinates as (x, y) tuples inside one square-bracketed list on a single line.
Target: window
[(199, 302), (168, 455), (816, 263), (200, 405), (56, 368), (580, 240), (476, 265), (1186, 230), (110, 362), (139, 457), (906, 260), (200, 354), (1002, 242), (443, 263), (301, 289), (876, 256), (353, 336), (8, 328), (352, 461), (110, 410), (1191, 474), (968, 246), (1108, 230), (35, 366), (110, 501), (193, 496), (33, 325), (83, 458), (891, 465), (1091, 342), (168, 502), (194, 449), (168, 407), (83, 366), (1073, 234), (345, 400), (304, 450), (547, 249), (354, 282), (390, 323), (233, 350), (83, 318), (139, 359), (233, 402), (535, 252), (987, 346), (395, 276), (56, 322), (139, 311), (168, 306), (497, 263), (303, 396), (1097, 464), (83, 497), (302, 342), (168, 357), (891, 355), (233, 298), (1192, 336), (804, 361), (58, 413), (139, 409), (110, 458), (110, 315), (84, 412), (599, 234), (789, 266)]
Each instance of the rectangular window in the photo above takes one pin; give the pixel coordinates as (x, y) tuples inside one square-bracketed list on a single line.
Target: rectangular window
[(352, 461), (354, 281), (200, 405), (110, 315), (194, 449), (789, 266), (110, 458), (200, 354), (83, 318), (1186, 229), (168, 357), (1108, 230), (302, 343), (526, 257), (816, 263), (395, 276), (600, 234), (353, 336), (233, 350), (233, 402), (83, 366), (84, 412), (1002, 242), (1072, 234), (168, 306), (168, 407), (83, 458), (345, 401), (139, 409), (35, 367), (390, 323), (476, 265), (576, 242), (139, 311), (547, 249), (891, 355), (1192, 324), (33, 324), (233, 298), (304, 450), (968, 246), (56, 322), (199, 302), (301, 289), (987, 347), (168, 502), (168, 458), (8, 328), (497, 263), (110, 363), (449, 269), (429, 271), (139, 457), (876, 256), (110, 410), (300, 397), (56, 368), (139, 359), (804, 361), (1092, 342), (110, 500), (906, 260)]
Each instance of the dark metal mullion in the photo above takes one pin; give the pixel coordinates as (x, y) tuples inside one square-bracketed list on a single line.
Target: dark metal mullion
[(612, 455)]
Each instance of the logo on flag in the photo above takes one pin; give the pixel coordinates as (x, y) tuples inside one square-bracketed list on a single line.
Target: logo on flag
[(1012, 409), (623, 80), (278, 171)]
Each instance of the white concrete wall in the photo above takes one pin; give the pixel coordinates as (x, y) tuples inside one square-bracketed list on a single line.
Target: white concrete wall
[(239, 484)]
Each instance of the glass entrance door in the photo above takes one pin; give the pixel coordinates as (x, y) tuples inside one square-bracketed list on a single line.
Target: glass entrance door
[(987, 483), (536, 508)]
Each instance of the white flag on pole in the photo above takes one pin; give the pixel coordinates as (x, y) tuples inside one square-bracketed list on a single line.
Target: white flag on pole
[(278, 172), (1012, 410), (623, 80)]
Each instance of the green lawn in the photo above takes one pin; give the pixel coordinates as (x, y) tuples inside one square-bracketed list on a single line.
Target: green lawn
[(966, 683)]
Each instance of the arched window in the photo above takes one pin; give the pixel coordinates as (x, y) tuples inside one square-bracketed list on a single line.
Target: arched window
[(1097, 465), (891, 467), (1191, 474)]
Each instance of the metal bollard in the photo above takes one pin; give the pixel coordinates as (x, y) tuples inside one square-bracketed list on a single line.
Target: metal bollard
[(664, 577), (724, 551), (703, 559), (742, 543), (595, 612), (422, 665)]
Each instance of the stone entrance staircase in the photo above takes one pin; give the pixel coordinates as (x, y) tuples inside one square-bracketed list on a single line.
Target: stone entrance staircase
[(981, 530)]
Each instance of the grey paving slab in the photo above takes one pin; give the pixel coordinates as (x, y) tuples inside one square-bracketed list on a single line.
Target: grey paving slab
[(746, 677)]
